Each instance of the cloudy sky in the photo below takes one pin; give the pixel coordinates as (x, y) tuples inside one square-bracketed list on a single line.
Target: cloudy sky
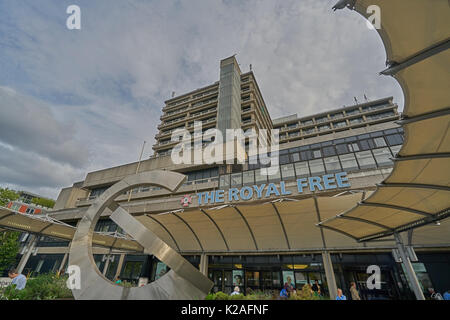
[(74, 101)]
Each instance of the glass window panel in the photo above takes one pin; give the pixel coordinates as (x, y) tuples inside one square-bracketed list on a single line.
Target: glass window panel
[(353, 147), (317, 154), (259, 178), (306, 155), (248, 177), (316, 167), (295, 157), (276, 176), (284, 158), (332, 164), (383, 156), (329, 151), (224, 181), (396, 149), (365, 159), (394, 139), (236, 179), (341, 148), (348, 162), (302, 169), (379, 142), (366, 144), (287, 172)]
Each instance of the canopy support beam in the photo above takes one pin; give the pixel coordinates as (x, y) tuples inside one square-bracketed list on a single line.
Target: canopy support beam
[(248, 226), (390, 206), (366, 221), (408, 268), (431, 51), (424, 156), (167, 230), (425, 116), (217, 227), (282, 225), (413, 185), (190, 228)]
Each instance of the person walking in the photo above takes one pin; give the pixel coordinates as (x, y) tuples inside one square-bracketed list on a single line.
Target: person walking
[(17, 278), (354, 292), (340, 295), (316, 288), (236, 291)]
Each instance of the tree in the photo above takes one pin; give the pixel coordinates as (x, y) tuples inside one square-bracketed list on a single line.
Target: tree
[(7, 195), (9, 249), (49, 203)]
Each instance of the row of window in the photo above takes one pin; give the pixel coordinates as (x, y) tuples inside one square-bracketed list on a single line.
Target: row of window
[(362, 160), (363, 142)]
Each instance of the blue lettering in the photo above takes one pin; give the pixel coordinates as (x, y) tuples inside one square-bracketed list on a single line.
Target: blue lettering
[(341, 178), (249, 195), (209, 197), (283, 189), (272, 189), (315, 182), (329, 182), (233, 194), (300, 184), (259, 190), (219, 196), (199, 197)]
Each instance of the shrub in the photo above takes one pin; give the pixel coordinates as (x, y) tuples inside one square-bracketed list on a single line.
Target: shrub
[(42, 287)]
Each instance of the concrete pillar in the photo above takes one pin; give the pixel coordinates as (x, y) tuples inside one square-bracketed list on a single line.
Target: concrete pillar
[(119, 265), (63, 262), (203, 267), (26, 255), (329, 274), (415, 286)]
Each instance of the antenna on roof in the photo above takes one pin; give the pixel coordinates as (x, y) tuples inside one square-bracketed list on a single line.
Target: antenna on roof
[(173, 94), (250, 67), (356, 100), (365, 97)]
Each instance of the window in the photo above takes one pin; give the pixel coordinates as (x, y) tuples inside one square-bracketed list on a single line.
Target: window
[(329, 151), (395, 149), (394, 139), (383, 156), (365, 159), (379, 142), (287, 172), (353, 147), (366, 144), (306, 155), (274, 177), (341, 148), (248, 177), (339, 124), (348, 162), (356, 120), (236, 179), (316, 167), (295, 157), (284, 158), (224, 181), (332, 164), (302, 169), (317, 154), (260, 178)]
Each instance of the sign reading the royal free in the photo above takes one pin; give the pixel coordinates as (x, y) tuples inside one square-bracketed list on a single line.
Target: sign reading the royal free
[(317, 183)]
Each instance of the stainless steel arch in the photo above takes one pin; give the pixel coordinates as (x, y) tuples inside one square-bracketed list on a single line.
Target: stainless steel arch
[(183, 281)]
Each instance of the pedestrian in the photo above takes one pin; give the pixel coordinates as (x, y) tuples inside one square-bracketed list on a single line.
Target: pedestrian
[(447, 295), (340, 295), (354, 291), (236, 291), (283, 293), (316, 288), (18, 279), (118, 280)]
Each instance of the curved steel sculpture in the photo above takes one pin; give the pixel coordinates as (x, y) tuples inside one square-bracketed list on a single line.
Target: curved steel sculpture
[(183, 281)]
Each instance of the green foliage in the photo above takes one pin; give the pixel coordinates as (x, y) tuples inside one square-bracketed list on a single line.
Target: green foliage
[(7, 195), (255, 295), (9, 248), (49, 203), (305, 294), (42, 287)]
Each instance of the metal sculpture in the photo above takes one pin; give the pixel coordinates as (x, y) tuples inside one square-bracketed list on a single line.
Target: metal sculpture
[(183, 281)]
